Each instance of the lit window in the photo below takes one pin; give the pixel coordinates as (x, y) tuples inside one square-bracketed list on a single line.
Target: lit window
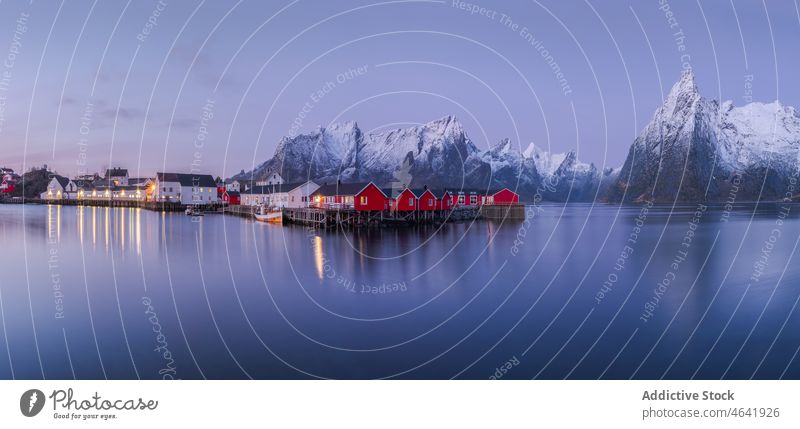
[(363, 199)]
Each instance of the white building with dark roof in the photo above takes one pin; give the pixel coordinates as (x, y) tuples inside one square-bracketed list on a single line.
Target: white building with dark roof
[(117, 176), (185, 188), (272, 178), (60, 188), (292, 195)]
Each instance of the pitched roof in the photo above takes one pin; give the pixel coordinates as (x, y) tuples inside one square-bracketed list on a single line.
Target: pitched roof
[(420, 192), (137, 180), (116, 172), (395, 192), (273, 189), (342, 189), (494, 191), (63, 181), (232, 193), (439, 193), (101, 184), (186, 179)]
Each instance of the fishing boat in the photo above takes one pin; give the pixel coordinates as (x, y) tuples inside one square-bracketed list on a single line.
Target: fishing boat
[(194, 211), (269, 214)]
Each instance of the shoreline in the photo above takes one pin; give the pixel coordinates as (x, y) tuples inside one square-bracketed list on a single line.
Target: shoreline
[(317, 217)]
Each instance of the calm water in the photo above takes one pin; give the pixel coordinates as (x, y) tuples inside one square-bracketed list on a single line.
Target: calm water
[(96, 293)]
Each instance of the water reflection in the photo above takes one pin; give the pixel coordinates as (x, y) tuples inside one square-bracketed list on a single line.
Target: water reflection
[(122, 227), (319, 260), (459, 282)]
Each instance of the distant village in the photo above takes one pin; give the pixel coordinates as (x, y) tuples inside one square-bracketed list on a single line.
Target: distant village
[(269, 199), (202, 189)]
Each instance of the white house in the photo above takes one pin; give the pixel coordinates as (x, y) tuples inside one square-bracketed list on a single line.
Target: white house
[(117, 176), (185, 188), (104, 190), (299, 195), (233, 185), (291, 195), (272, 178), (60, 188), (262, 194)]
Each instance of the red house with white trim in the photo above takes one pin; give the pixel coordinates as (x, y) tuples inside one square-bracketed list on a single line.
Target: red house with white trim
[(426, 201), (504, 196), (406, 201), (371, 198), (444, 200), (232, 198), (360, 196)]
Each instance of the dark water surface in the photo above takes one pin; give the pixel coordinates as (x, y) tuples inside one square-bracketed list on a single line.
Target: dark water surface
[(94, 293)]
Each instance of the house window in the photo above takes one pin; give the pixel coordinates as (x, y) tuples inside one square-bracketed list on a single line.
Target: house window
[(430, 203), (410, 201), (170, 188), (363, 199), (461, 199), (473, 199)]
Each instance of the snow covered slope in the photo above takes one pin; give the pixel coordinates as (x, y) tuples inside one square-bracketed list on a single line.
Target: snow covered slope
[(438, 154), (695, 149)]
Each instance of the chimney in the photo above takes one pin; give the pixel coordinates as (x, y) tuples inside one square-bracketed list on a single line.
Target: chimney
[(425, 187)]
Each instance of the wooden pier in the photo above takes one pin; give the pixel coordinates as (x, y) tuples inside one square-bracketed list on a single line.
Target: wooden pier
[(331, 218), (239, 210), (321, 217), (148, 205), (503, 212)]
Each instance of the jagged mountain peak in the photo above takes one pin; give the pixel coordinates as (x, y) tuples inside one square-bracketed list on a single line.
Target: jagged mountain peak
[(339, 126), (437, 153), (694, 148), (546, 162), (683, 95), (686, 84), (447, 126), (504, 147)]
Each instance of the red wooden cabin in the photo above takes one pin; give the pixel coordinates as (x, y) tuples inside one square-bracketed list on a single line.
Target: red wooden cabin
[(371, 198), (232, 198), (359, 196), (426, 201), (504, 196), (405, 201), (444, 200)]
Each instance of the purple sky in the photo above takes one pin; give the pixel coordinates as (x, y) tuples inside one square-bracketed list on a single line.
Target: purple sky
[(82, 87)]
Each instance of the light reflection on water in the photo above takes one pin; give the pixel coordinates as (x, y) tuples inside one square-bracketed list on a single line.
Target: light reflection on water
[(274, 300)]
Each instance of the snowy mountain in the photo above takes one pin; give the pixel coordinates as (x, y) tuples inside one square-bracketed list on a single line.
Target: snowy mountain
[(695, 149), (510, 168), (564, 176), (438, 154), (323, 153)]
